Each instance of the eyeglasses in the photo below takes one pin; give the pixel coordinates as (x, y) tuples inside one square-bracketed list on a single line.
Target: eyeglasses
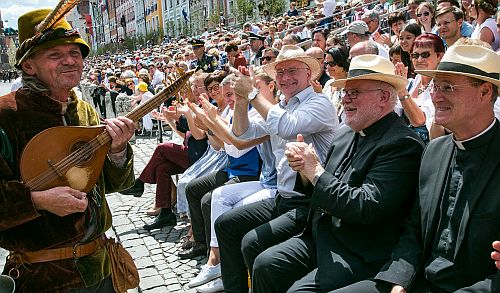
[(213, 88), (444, 23), (267, 58), (427, 13), (329, 63), (130, 83), (448, 89), (289, 71), (424, 55), (353, 94)]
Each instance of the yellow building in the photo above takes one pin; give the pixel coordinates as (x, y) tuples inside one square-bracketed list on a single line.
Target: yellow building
[(154, 17)]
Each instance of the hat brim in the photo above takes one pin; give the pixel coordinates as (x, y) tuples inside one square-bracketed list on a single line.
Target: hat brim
[(311, 62), (433, 73), (84, 47), (398, 82)]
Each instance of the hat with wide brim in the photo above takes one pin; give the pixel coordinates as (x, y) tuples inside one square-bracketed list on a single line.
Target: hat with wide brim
[(372, 67), (468, 60), (294, 53), (27, 23)]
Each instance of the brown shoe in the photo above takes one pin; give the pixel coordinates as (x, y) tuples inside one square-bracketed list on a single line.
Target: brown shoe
[(153, 212)]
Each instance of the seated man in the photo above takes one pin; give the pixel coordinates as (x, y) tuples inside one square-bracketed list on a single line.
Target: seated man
[(358, 199), (255, 227), (446, 244)]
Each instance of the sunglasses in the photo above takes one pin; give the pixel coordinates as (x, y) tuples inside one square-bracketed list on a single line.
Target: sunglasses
[(423, 55), (427, 13), (267, 58), (329, 63), (131, 83)]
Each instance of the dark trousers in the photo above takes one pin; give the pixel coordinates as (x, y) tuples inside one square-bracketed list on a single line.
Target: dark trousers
[(278, 267), (168, 159), (292, 266), (199, 197), (244, 232), (370, 286)]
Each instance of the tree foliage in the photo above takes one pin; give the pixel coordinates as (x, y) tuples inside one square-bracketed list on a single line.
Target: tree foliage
[(243, 9)]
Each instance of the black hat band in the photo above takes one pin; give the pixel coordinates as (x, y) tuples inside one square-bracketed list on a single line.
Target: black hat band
[(359, 72), (458, 67)]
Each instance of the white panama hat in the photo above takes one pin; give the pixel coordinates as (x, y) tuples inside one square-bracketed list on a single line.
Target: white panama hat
[(292, 52), (469, 60), (372, 67)]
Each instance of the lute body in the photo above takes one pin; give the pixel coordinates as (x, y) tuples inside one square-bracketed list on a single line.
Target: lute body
[(74, 155)]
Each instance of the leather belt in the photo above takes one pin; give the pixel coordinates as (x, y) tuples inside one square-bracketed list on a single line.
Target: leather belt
[(46, 255)]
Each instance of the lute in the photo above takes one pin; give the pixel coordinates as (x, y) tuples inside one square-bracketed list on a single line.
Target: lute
[(74, 155)]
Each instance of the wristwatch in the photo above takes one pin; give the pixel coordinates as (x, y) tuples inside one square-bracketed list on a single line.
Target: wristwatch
[(253, 94), (405, 97)]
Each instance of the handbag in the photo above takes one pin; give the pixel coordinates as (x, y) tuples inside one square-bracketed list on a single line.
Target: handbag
[(124, 273)]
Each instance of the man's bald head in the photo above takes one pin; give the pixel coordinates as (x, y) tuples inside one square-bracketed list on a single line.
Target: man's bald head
[(315, 52), (363, 48)]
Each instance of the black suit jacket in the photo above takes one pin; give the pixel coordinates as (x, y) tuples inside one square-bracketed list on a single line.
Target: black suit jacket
[(474, 271), (358, 216)]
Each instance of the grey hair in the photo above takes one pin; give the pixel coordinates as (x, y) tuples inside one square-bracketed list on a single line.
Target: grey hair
[(33, 84), (231, 78), (392, 91)]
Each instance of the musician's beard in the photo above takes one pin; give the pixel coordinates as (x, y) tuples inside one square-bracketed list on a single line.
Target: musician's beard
[(68, 77)]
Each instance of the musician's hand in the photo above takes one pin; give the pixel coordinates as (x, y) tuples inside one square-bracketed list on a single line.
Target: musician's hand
[(121, 129), (61, 201)]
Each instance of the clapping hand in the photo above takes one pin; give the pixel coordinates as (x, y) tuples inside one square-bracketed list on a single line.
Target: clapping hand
[(316, 86), (495, 255), (243, 84), (302, 157), (209, 108), (400, 69)]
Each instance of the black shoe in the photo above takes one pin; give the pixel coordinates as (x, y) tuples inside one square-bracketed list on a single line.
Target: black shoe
[(137, 190), (165, 218), (198, 249)]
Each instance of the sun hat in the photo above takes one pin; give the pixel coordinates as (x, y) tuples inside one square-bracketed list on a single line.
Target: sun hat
[(61, 33), (292, 52), (372, 67), (469, 60), (142, 86)]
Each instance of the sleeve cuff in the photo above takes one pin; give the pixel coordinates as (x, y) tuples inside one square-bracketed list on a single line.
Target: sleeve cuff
[(119, 159)]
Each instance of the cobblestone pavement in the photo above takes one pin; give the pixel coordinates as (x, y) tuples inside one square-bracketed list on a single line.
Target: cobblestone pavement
[(155, 252)]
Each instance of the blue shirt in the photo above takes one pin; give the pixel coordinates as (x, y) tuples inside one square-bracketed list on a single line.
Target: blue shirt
[(308, 113)]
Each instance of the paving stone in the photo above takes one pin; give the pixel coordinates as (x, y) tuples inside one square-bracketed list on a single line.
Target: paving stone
[(151, 282), (161, 289), (147, 272), (174, 287)]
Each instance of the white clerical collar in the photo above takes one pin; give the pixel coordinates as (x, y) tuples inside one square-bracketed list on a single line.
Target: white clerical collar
[(460, 143), (361, 133)]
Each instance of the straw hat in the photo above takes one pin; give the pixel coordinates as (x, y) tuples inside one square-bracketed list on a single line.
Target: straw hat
[(292, 52), (372, 67), (60, 34), (468, 60)]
